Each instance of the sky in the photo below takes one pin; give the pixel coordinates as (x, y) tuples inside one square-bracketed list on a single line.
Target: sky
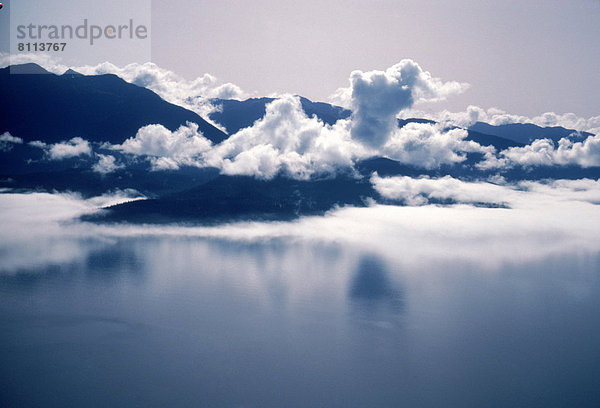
[(523, 57)]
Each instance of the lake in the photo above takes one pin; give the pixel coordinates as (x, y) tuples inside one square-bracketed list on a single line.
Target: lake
[(322, 312)]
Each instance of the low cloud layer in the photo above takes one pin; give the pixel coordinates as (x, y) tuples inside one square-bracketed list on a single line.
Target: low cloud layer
[(420, 191), (543, 218), (168, 150), (525, 194), (544, 152), (289, 142), (284, 141), (430, 146), (41, 228)]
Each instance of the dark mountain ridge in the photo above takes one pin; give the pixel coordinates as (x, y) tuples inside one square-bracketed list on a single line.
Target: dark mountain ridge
[(99, 108), (525, 133), (244, 198)]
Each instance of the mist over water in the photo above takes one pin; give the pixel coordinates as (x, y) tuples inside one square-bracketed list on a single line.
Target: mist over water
[(383, 306)]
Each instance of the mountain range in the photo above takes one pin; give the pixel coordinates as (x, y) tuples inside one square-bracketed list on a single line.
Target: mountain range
[(104, 109)]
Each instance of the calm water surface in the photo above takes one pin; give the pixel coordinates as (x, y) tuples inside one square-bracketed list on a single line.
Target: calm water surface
[(194, 322)]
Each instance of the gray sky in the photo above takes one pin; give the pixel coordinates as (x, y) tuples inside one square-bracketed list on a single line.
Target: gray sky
[(526, 57)]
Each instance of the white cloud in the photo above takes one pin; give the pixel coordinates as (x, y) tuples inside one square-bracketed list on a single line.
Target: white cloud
[(286, 140), (106, 164), (541, 152), (544, 152), (584, 154), (38, 144), (429, 146), (585, 190), (376, 98), (64, 150), (419, 191), (7, 140), (524, 194), (7, 137), (168, 150), (166, 83), (73, 148)]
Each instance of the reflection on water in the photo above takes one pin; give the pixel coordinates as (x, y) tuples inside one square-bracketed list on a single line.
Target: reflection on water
[(109, 261), (188, 322), (372, 281), (375, 298), (105, 262)]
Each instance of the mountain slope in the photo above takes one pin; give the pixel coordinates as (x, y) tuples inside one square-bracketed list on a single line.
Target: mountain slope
[(101, 108), (526, 133), (500, 143)]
